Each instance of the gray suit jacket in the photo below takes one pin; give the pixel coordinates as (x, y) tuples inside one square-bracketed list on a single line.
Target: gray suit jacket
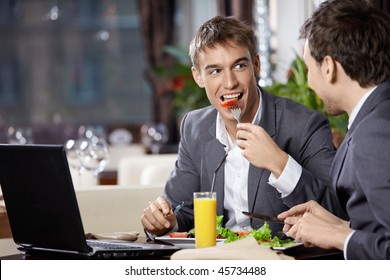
[(302, 133), (361, 176)]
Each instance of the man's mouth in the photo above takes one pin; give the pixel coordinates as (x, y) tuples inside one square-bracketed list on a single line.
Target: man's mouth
[(231, 96), (230, 100)]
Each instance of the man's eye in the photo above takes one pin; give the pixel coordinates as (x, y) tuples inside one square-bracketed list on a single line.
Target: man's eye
[(214, 72), (239, 66)]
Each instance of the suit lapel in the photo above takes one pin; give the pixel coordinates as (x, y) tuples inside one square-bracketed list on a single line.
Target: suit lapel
[(338, 160), (254, 177), (214, 155)]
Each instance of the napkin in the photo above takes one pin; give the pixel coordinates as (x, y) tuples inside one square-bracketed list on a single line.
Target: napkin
[(243, 249), (125, 236)]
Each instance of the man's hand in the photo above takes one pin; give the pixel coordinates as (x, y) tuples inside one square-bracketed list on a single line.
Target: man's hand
[(293, 215), (259, 148), (313, 225), (158, 217)]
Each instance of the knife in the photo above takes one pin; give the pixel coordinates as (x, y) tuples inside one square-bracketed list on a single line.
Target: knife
[(262, 217)]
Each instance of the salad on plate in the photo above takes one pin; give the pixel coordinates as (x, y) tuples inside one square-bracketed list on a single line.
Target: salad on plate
[(263, 236)]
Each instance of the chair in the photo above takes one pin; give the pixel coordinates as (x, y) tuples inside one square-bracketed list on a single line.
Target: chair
[(145, 169), (119, 152), (155, 174), (114, 208)]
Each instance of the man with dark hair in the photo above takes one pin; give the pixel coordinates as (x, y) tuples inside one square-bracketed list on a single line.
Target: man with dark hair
[(348, 59), (279, 154)]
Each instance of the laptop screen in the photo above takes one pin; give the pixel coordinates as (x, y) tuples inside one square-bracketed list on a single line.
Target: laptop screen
[(40, 199)]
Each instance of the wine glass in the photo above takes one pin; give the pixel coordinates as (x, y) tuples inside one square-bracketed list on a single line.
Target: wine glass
[(94, 155), (154, 136), (92, 133), (19, 135), (71, 148)]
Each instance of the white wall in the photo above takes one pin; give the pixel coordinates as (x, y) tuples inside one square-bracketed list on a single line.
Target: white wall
[(194, 14), (287, 18), (290, 15)]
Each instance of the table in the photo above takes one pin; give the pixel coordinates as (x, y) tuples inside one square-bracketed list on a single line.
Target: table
[(5, 230), (299, 253)]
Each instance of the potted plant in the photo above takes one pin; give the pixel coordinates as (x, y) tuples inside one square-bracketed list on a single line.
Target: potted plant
[(179, 81)]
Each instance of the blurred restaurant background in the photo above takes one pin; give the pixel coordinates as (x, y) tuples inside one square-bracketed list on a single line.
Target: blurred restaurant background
[(115, 64), (121, 66), (110, 80)]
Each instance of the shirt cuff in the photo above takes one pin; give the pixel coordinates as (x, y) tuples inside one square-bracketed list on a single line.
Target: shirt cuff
[(346, 243), (289, 178)]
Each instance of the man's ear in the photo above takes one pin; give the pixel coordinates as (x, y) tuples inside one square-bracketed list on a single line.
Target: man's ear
[(329, 69), (197, 76), (256, 65)]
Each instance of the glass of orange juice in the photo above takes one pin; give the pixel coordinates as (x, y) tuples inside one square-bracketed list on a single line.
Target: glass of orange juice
[(205, 212)]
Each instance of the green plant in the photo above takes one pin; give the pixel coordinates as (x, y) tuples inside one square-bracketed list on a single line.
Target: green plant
[(187, 94), (298, 89)]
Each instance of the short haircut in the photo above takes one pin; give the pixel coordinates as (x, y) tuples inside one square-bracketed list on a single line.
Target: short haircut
[(353, 33), (219, 31)]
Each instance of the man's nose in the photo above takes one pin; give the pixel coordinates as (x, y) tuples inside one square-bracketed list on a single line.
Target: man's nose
[(230, 80)]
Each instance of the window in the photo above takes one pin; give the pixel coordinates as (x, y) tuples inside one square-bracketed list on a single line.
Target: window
[(72, 61)]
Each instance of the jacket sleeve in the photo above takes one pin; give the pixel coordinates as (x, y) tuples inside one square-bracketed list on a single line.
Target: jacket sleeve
[(315, 154), (184, 180)]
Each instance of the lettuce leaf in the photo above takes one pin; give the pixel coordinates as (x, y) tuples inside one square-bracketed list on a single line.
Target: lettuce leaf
[(263, 233), (223, 232)]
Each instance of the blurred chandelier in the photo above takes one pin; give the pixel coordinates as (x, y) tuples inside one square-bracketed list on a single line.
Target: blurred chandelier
[(54, 12)]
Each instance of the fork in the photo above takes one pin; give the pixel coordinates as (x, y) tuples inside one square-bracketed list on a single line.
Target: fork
[(236, 113), (178, 207)]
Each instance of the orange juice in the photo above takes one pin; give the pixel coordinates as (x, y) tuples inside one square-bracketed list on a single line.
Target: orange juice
[(205, 211)]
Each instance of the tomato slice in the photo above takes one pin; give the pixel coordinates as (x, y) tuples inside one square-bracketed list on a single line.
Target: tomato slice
[(242, 233), (229, 103), (178, 235)]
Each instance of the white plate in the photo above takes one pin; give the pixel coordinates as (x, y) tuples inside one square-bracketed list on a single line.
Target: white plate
[(189, 243), (287, 247), (184, 243)]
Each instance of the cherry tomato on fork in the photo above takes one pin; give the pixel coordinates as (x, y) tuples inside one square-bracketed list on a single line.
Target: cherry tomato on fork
[(229, 103)]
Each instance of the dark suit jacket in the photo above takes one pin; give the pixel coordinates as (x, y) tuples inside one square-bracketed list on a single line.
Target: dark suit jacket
[(361, 175), (302, 133)]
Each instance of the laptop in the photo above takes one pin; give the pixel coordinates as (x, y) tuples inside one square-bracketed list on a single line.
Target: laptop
[(42, 207)]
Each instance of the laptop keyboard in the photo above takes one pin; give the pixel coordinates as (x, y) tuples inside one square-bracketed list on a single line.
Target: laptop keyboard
[(112, 245)]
